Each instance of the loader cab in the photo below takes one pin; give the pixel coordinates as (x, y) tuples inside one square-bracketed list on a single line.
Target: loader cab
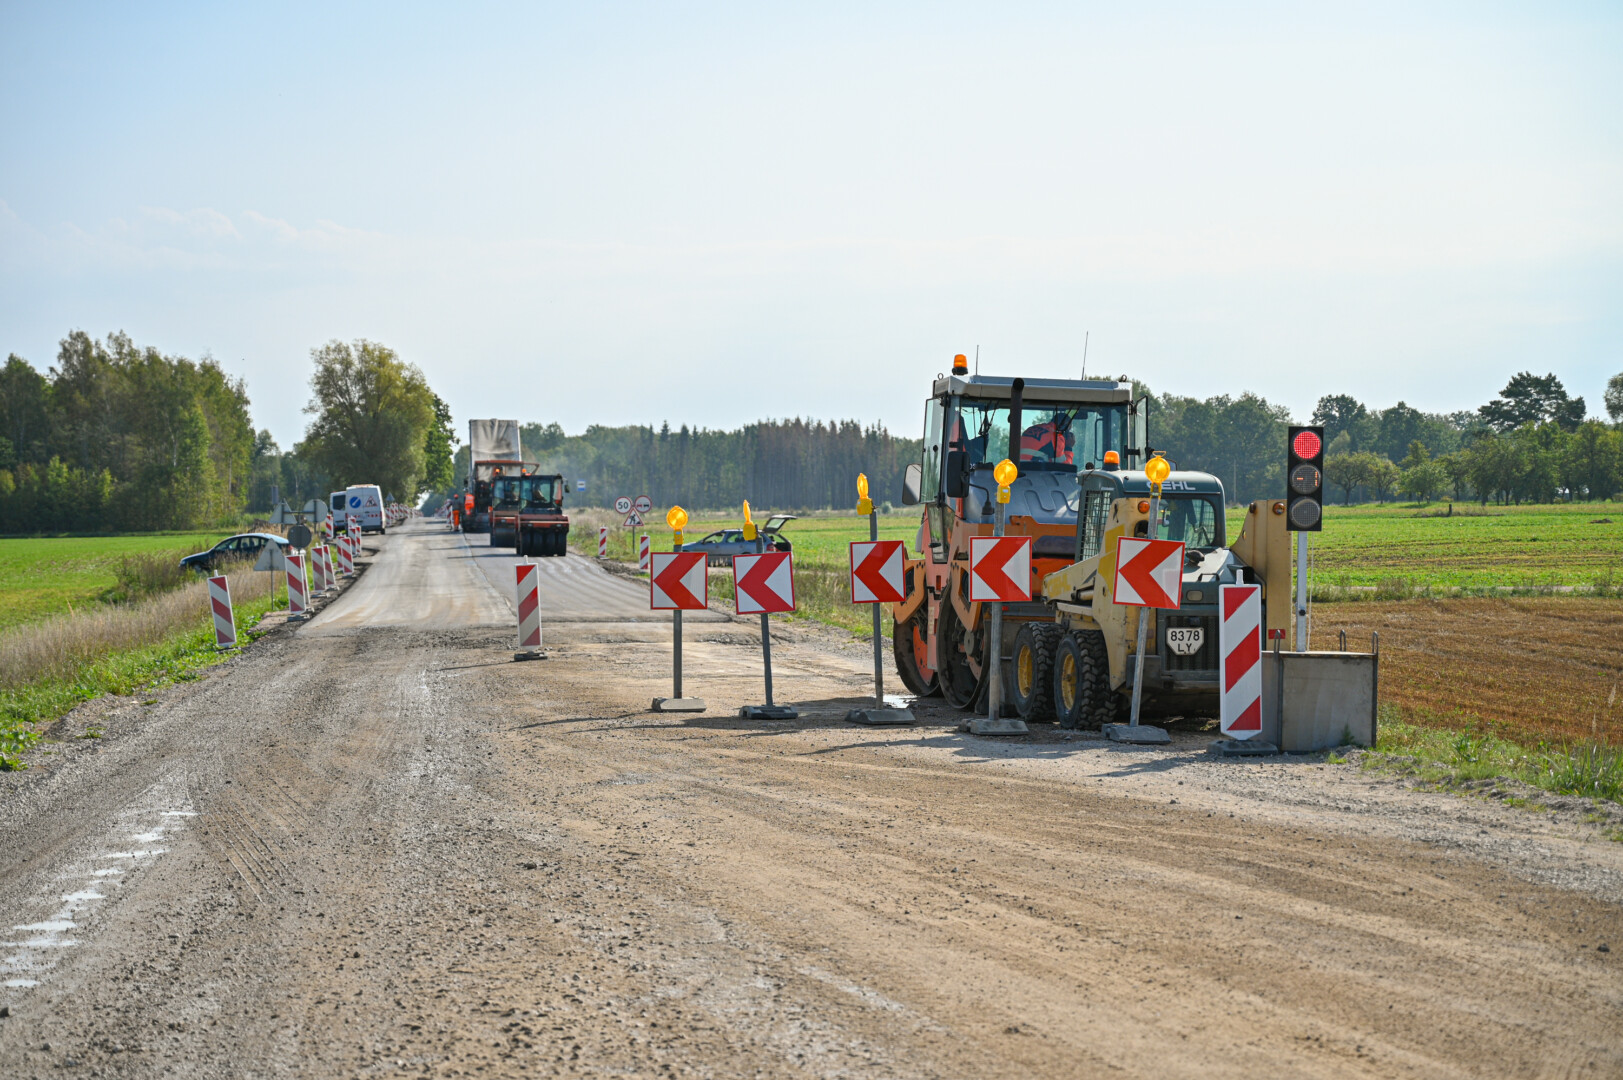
[(1065, 427), (1191, 509)]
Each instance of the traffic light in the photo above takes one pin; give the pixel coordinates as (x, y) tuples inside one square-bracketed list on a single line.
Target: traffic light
[(1304, 469)]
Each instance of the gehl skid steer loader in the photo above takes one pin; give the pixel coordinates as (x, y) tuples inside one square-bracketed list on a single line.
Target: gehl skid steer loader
[(1080, 447)]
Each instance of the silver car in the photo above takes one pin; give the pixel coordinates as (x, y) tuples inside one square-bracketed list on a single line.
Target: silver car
[(720, 546)]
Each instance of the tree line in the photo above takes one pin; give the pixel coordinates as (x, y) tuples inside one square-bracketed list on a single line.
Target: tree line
[(1532, 443), (118, 437), (795, 464)]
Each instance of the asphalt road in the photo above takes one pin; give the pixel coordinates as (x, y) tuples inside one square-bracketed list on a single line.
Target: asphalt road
[(375, 845)]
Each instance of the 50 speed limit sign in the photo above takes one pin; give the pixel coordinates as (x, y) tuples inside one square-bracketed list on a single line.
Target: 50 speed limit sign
[(622, 505)]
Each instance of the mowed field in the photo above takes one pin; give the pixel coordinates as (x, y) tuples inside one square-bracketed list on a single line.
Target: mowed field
[(1478, 547), (40, 577)]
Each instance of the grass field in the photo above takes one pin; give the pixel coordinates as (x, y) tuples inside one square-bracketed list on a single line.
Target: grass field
[(40, 577)]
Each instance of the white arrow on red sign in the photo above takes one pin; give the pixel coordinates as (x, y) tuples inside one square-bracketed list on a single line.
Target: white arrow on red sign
[(764, 583), (878, 569), (1148, 572), (678, 580), (999, 569)]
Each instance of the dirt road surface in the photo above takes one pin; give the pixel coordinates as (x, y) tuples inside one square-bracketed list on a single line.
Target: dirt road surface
[(376, 846)]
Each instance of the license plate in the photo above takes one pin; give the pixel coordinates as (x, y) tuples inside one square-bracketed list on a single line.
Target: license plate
[(1185, 640)]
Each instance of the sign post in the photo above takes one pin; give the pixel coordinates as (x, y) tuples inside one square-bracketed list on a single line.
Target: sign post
[(999, 572), (878, 576), (764, 583), (1149, 574), (1239, 672), (225, 623), (298, 592), (529, 612), (678, 581), (1304, 512)]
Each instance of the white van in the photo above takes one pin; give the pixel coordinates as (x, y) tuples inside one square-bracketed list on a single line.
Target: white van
[(364, 502)]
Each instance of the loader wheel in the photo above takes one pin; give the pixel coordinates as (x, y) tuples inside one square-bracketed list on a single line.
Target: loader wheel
[(1082, 694), (560, 543), (910, 646), (959, 662), (1034, 651)]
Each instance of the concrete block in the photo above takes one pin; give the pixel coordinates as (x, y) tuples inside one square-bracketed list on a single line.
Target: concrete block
[(1329, 700)]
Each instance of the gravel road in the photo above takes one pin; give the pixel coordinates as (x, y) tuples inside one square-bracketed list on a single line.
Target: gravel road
[(375, 845)]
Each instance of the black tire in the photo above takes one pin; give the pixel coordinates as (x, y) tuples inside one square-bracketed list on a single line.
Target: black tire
[(908, 644), (527, 544), (1032, 682), (1082, 694), (560, 543), (959, 663)]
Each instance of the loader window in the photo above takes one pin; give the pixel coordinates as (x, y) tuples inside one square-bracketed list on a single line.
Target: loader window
[(1198, 523), (1058, 437), (1095, 516)]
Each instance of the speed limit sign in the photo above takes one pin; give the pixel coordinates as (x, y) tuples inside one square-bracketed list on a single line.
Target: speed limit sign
[(622, 505), (644, 504)]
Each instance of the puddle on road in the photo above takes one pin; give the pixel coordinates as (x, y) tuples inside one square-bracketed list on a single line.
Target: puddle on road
[(75, 904)]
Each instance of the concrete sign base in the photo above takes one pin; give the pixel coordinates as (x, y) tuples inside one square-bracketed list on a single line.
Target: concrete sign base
[(1248, 748), (678, 704), (1142, 734), (881, 717), (769, 712)]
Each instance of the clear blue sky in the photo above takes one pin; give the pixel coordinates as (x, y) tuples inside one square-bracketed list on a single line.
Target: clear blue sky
[(711, 214)]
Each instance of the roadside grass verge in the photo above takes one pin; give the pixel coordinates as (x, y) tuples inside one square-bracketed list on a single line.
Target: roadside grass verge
[(1478, 760), (50, 666)]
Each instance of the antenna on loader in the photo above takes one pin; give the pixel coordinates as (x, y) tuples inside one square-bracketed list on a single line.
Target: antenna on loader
[(1085, 335), (977, 359)]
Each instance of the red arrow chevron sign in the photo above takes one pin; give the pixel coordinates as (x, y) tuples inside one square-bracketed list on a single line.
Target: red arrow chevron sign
[(678, 581), (999, 569), (877, 568), (764, 583), (1148, 572)]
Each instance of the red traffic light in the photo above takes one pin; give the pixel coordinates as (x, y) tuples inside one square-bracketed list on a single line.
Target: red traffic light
[(1306, 445)]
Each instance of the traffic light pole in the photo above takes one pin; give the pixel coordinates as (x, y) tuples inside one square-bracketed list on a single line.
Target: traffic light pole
[(1301, 591)]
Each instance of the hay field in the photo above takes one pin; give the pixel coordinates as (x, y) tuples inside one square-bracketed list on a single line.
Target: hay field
[(1521, 668)]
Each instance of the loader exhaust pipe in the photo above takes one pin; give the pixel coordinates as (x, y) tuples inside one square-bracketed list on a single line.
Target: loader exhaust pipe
[(1017, 404)]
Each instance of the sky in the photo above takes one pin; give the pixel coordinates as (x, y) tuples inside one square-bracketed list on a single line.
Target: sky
[(715, 213)]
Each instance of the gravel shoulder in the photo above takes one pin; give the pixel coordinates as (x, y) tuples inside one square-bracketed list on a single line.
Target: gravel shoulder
[(391, 849)]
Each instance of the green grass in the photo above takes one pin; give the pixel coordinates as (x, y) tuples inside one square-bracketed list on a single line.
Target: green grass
[(43, 576), (1476, 759), (1402, 548), (178, 658)]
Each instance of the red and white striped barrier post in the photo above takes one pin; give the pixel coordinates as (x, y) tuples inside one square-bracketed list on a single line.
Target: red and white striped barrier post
[(298, 591), (225, 624), (319, 569), (644, 557), (326, 526), (1239, 642), (529, 613), (602, 541), (346, 565)]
